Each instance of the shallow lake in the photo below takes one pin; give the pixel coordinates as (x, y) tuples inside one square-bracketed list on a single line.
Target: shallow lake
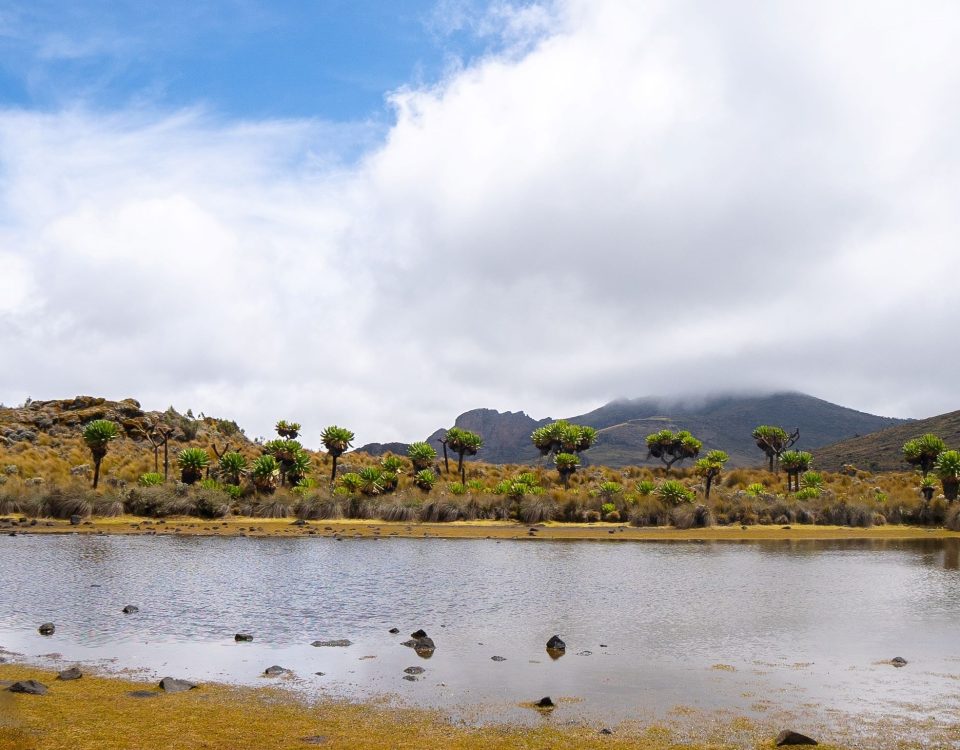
[(798, 628)]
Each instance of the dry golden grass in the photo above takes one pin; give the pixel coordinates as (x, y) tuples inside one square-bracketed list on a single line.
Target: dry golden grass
[(96, 713)]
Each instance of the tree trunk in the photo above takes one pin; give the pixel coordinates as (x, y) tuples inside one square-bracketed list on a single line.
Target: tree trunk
[(446, 462), (96, 472), (709, 482), (771, 457), (156, 459), (333, 473), (166, 459), (463, 477)]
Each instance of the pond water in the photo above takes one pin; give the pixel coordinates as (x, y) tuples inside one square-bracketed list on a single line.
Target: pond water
[(800, 628)]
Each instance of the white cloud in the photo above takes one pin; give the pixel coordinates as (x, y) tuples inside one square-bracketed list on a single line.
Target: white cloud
[(649, 198)]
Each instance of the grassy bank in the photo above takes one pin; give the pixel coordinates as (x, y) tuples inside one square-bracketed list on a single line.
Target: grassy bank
[(98, 713), (359, 528)]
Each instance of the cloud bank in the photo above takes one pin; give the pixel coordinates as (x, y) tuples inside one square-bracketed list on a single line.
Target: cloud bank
[(626, 199)]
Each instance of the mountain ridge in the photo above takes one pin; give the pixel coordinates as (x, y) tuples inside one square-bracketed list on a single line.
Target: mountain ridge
[(722, 421)]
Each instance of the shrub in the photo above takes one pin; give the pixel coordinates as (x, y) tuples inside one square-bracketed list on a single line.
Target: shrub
[(233, 466), (421, 455), (811, 479), (591, 516), (673, 492), (537, 510), (150, 479), (192, 462), (645, 487), (424, 479), (756, 489), (265, 473), (808, 493), (610, 490), (457, 488), (688, 516)]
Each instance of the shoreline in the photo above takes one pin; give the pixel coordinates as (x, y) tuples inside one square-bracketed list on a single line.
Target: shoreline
[(238, 526), (119, 713)]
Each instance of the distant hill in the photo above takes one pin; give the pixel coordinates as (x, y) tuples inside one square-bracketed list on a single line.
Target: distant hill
[(723, 422), (880, 451)]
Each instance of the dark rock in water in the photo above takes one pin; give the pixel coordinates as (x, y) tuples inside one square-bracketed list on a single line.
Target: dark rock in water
[(47, 628), (143, 694), (498, 658), (898, 661), (275, 670), (173, 685), (787, 737), (319, 674), (419, 634), (409, 644), (605, 730), (73, 673), (585, 653), (414, 670), (335, 643), (556, 644), (409, 678), (394, 631), (130, 609), (545, 702), (424, 646), (243, 637), (75, 520), (28, 687)]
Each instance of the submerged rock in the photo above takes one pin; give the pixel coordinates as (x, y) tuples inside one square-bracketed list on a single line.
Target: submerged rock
[(394, 631), (410, 678), (898, 661), (47, 628), (73, 673), (545, 702), (173, 685), (789, 737), (556, 644), (275, 670), (498, 658), (130, 609), (419, 633), (243, 637), (415, 670), (28, 687), (334, 643)]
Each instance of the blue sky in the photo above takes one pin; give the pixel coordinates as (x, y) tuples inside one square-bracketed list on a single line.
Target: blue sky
[(334, 59)]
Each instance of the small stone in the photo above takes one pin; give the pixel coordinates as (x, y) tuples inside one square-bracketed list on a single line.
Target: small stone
[(545, 702), (585, 653), (898, 661), (28, 687), (409, 678), (47, 628), (243, 637), (394, 631), (130, 609), (75, 520), (319, 674), (275, 670), (498, 658), (414, 670), (606, 730), (73, 673), (788, 737), (556, 644), (342, 642), (173, 685)]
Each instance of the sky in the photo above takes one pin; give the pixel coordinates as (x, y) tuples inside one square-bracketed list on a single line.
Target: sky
[(380, 215)]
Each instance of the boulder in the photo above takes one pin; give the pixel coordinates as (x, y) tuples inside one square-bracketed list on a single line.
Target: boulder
[(545, 702), (556, 644), (173, 685), (28, 687), (275, 671), (424, 645), (47, 628), (75, 520), (789, 737), (419, 633), (73, 673)]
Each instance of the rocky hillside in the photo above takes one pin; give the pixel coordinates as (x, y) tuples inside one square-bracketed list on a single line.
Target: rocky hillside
[(723, 422), (43, 438), (881, 451)]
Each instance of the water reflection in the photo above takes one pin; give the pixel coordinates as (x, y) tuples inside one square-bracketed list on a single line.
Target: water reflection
[(646, 624)]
